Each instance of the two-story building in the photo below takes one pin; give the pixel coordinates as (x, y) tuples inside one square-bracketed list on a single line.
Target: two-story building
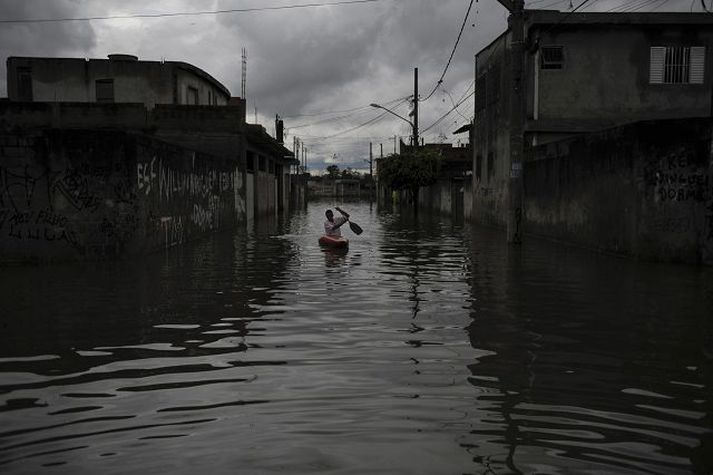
[(121, 78), (585, 72), (132, 156)]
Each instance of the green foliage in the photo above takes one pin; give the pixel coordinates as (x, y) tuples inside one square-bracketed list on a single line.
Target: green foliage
[(411, 170), (333, 171), (350, 173)]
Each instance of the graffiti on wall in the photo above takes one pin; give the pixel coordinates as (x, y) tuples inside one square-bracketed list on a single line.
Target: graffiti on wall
[(157, 175), (50, 201), (188, 201), (677, 178), (173, 230), (37, 225)]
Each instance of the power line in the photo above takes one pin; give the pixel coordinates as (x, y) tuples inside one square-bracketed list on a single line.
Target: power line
[(198, 13), (316, 114), (453, 52), (440, 119), (364, 124)]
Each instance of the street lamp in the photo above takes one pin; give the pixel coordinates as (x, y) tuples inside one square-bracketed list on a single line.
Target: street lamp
[(414, 127)]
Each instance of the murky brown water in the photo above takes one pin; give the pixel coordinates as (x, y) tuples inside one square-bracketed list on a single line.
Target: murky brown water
[(428, 348)]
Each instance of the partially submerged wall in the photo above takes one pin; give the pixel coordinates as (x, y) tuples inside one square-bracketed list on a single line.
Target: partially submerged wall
[(644, 190), (88, 194)]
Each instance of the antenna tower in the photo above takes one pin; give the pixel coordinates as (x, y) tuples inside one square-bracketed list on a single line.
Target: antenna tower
[(244, 73)]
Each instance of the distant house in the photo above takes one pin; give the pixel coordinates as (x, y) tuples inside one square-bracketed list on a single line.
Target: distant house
[(585, 72), (121, 78), (446, 195)]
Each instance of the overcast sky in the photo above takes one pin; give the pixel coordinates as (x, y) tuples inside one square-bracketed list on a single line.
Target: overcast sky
[(318, 67)]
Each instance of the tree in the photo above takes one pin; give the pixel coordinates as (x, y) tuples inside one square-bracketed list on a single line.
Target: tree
[(410, 171), (350, 173), (333, 172)]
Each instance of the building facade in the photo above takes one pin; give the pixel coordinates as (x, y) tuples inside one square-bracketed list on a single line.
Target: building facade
[(142, 172), (583, 73), (121, 78)]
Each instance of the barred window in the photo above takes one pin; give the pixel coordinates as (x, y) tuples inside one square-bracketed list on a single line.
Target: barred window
[(551, 57), (677, 64)]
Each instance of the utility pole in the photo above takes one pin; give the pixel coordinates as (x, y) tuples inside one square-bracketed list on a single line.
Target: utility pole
[(371, 173), (415, 107), (516, 23)]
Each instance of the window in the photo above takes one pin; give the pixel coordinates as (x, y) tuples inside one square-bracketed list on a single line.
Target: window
[(250, 161), (677, 64), (551, 57), (192, 95), (261, 164), (478, 167), (491, 163), (210, 97), (24, 84), (104, 90)]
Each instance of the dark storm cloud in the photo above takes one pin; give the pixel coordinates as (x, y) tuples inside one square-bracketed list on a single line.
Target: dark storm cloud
[(42, 39), (300, 61), (308, 55)]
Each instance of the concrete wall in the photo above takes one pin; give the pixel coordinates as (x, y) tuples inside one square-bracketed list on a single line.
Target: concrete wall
[(89, 194), (265, 193), (147, 82), (644, 190), (179, 121), (491, 147)]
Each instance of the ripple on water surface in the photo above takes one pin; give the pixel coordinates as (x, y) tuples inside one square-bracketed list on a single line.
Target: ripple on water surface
[(428, 347)]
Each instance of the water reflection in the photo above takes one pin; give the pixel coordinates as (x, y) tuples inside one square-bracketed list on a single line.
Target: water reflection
[(596, 362), (428, 347)]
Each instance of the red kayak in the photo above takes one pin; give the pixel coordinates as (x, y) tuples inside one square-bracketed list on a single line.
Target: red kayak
[(336, 242)]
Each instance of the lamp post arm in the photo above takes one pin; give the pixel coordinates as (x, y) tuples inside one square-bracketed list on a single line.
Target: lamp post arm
[(392, 113)]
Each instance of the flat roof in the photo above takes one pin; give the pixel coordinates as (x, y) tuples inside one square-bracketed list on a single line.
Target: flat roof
[(535, 18), (126, 60), (550, 17)]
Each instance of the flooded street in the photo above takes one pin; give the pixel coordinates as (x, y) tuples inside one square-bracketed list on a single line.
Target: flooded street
[(430, 347)]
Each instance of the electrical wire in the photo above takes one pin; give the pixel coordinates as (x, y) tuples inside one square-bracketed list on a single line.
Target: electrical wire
[(316, 114), (364, 124), (440, 119), (184, 14), (350, 112), (453, 52)]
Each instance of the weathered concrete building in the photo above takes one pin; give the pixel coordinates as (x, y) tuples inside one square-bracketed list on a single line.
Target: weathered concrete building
[(585, 73), (269, 173), (121, 78), (88, 180)]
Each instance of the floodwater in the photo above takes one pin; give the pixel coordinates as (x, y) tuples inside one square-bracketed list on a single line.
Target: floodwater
[(429, 348)]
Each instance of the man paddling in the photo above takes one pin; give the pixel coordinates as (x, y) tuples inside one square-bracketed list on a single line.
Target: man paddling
[(332, 224)]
